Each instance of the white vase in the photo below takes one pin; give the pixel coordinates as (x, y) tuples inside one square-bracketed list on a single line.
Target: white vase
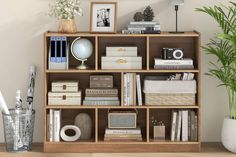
[(228, 134)]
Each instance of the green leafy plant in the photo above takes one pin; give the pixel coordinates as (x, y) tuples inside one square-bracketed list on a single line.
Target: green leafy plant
[(223, 47), (65, 9)]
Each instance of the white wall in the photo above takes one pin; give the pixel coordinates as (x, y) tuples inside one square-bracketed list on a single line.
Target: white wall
[(22, 24)]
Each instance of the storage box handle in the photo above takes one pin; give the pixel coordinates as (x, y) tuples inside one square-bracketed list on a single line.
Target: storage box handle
[(63, 97), (121, 61), (121, 50), (64, 87)]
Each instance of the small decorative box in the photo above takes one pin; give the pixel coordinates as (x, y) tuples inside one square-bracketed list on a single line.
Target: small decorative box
[(101, 81), (65, 86), (121, 62), (121, 51), (57, 98)]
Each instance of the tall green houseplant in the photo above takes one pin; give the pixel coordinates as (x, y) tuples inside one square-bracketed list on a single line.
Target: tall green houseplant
[(223, 47)]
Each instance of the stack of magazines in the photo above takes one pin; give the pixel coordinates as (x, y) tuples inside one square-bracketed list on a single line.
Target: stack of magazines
[(143, 27)]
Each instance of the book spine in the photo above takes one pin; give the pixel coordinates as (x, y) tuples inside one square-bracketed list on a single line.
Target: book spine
[(185, 125), (173, 62), (118, 132), (144, 23), (128, 89), (173, 125), (101, 91), (139, 92), (192, 134), (57, 125), (100, 98), (195, 129), (135, 88), (104, 102), (51, 125), (125, 90), (179, 125)]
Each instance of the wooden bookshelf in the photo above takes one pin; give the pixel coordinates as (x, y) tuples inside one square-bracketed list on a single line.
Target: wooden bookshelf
[(149, 46)]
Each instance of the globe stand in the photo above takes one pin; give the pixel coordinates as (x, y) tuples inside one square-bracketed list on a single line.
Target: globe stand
[(82, 66)]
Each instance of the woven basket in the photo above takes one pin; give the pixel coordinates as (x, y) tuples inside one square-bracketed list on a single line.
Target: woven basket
[(169, 99)]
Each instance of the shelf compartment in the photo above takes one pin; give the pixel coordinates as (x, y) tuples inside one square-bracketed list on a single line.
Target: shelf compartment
[(165, 116), (103, 123), (187, 43)]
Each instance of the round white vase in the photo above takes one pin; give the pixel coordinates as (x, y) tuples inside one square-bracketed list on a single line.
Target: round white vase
[(228, 134)]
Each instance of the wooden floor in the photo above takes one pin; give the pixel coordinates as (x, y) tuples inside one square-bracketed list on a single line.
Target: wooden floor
[(208, 150)]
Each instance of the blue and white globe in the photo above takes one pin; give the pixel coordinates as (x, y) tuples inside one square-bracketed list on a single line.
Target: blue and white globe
[(81, 48)]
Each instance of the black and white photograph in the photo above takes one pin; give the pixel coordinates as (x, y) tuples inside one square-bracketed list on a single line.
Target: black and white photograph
[(103, 17)]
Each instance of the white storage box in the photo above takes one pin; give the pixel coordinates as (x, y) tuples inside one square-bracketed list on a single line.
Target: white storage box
[(121, 62), (65, 86), (170, 92), (121, 51), (64, 98)]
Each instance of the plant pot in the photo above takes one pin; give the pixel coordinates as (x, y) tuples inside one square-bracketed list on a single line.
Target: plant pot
[(67, 26), (228, 134)]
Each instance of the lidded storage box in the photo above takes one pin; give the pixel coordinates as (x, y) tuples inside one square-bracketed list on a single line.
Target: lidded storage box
[(122, 51), (65, 86), (160, 92), (121, 62), (64, 98)]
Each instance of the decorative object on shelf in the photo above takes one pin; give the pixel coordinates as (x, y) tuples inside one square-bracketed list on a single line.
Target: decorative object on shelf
[(101, 81), (148, 14), (66, 11), (122, 118), (103, 17), (84, 122), (224, 48), (172, 53), (82, 49), (142, 27), (121, 58), (68, 137), (138, 16), (176, 3), (65, 86), (58, 53), (159, 131), (163, 92)]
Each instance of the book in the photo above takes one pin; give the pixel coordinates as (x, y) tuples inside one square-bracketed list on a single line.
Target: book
[(157, 26), (56, 125), (151, 32), (125, 90), (158, 61), (123, 136), (144, 23), (173, 125), (101, 95), (51, 132), (195, 129), (90, 91), (123, 139), (185, 125), (102, 102), (139, 90), (123, 131), (101, 98), (179, 125), (192, 126)]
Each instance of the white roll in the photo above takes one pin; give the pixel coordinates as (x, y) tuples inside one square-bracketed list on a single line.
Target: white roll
[(70, 138)]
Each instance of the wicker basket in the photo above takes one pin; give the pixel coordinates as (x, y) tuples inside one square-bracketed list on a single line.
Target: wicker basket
[(169, 99)]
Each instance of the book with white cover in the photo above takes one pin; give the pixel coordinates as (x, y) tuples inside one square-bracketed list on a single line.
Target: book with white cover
[(139, 91), (57, 125), (185, 125), (179, 125), (123, 131), (186, 61), (51, 125), (125, 90), (144, 23), (173, 125)]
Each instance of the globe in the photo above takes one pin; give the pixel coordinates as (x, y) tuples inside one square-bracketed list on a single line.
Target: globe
[(82, 49)]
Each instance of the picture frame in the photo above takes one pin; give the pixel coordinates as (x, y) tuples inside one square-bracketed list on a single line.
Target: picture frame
[(103, 17)]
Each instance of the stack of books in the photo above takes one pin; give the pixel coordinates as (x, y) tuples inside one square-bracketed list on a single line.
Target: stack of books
[(123, 134), (143, 27), (132, 87), (99, 96), (184, 125), (173, 64)]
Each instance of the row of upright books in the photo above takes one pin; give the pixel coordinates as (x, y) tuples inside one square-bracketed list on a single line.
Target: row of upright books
[(132, 89), (184, 125), (143, 27)]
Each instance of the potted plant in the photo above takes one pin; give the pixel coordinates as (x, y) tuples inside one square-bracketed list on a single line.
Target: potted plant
[(223, 47), (66, 11)]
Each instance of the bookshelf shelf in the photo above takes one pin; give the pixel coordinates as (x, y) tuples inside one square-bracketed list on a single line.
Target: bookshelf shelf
[(149, 46)]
